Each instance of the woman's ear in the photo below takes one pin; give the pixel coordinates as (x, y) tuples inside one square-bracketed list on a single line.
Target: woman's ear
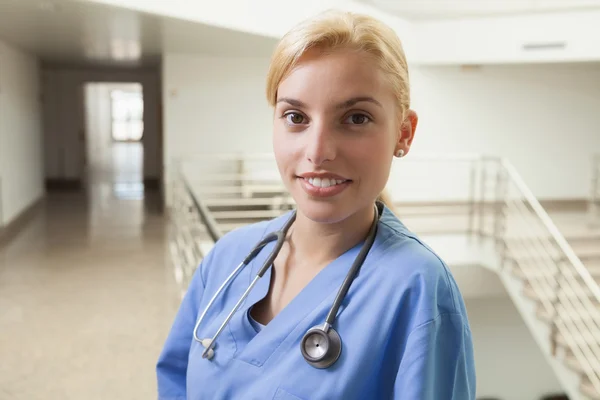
[(407, 133)]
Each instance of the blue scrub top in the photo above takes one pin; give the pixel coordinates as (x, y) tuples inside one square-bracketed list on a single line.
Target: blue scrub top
[(403, 325)]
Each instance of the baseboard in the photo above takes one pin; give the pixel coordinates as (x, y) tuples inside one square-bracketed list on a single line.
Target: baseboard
[(76, 184), (565, 204), (8, 232), (61, 184), (151, 183)]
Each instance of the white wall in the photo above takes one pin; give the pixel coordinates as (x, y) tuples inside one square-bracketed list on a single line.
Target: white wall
[(509, 363), (64, 117), (214, 104), (21, 166), (567, 36), (543, 118)]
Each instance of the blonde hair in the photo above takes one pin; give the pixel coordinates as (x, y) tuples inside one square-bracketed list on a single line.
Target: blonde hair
[(337, 30)]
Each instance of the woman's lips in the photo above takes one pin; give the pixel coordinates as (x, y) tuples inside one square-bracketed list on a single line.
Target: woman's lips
[(324, 185)]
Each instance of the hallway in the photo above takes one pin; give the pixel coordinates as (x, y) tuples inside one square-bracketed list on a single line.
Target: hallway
[(86, 297)]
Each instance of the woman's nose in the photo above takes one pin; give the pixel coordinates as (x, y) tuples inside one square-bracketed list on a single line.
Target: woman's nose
[(320, 146)]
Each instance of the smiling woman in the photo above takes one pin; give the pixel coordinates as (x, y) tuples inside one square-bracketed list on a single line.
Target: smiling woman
[(338, 299), (350, 134)]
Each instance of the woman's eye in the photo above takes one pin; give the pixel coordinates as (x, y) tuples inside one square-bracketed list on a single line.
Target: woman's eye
[(294, 118), (358, 119)]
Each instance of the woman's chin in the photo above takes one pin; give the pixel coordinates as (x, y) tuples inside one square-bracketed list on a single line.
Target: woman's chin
[(325, 212)]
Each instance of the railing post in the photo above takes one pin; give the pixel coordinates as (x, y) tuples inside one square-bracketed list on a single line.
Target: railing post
[(557, 276), (500, 211), (1, 210), (593, 206), (242, 171), (482, 180), (472, 194)]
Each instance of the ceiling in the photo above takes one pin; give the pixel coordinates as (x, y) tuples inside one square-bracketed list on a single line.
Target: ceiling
[(442, 9), (82, 32), (89, 33)]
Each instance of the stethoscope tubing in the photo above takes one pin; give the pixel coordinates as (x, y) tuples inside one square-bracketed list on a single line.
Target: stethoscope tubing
[(233, 311), (212, 300), (279, 238), (352, 273)]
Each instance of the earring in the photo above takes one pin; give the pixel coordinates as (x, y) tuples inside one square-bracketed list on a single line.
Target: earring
[(400, 153)]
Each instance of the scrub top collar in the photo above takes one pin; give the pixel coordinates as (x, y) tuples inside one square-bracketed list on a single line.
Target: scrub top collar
[(256, 348)]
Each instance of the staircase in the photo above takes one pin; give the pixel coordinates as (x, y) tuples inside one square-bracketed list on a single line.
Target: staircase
[(551, 274), (562, 298)]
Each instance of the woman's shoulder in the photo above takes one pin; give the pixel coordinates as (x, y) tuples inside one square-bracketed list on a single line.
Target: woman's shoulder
[(415, 274)]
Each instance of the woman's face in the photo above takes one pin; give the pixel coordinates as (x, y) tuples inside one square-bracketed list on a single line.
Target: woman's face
[(336, 131)]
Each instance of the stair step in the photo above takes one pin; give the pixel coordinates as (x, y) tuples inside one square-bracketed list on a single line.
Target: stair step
[(533, 271), (589, 258), (574, 235), (582, 314), (572, 363), (404, 209), (448, 215), (230, 226), (584, 318), (525, 250), (579, 340), (548, 293), (580, 233), (245, 214), (587, 388), (586, 249)]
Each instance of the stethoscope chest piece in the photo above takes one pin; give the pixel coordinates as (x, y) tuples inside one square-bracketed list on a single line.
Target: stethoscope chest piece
[(321, 346)]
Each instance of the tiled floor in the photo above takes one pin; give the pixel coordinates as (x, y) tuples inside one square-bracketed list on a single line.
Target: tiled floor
[(86, 299)]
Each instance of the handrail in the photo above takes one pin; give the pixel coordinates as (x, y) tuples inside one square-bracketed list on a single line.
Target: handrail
[(210, 223), (552, 229), (569, 307), (269, 156)]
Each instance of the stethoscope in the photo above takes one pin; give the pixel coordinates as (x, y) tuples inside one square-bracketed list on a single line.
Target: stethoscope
[(321, 345)]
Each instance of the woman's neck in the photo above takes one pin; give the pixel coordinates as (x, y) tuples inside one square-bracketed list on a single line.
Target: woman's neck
[(320, 243)]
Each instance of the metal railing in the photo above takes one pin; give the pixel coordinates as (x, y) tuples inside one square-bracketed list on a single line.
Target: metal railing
[(594, 202), (1, 207), (561, 283), (487, 194), (192, 229)]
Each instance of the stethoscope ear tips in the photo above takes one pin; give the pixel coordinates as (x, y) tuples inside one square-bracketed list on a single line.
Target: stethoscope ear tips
[(209, 352)]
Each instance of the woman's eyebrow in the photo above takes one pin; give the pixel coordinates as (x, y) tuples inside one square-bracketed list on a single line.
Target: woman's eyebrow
[(346, 104), (353, 101), (293, 102)]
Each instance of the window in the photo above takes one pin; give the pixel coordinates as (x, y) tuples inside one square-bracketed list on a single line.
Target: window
[(127, 109)]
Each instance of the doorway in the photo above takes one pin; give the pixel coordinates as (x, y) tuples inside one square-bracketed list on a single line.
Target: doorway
[(114, 131)]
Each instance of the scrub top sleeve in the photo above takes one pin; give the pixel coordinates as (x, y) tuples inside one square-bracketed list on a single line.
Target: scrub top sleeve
[(438, 362), (171, 368)]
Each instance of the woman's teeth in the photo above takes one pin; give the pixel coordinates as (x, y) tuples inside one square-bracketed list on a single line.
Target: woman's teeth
[(325, 182)]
